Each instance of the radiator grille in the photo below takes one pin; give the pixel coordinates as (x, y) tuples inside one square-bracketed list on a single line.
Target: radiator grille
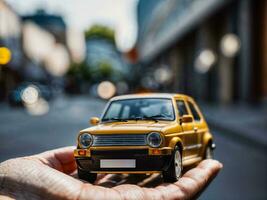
[(120, 140)]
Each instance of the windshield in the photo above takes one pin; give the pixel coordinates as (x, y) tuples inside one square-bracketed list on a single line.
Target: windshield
[(140, 109)]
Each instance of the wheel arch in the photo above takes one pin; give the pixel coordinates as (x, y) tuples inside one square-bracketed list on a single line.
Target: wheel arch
[(207, 140), (176, 141)]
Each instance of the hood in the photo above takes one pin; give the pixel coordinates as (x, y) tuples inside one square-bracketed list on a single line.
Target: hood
[(127, 127)]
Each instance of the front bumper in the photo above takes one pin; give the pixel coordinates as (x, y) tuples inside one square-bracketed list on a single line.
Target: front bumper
[(148, 160)]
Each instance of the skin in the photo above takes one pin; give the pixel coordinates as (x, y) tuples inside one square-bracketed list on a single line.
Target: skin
[(51, 175)]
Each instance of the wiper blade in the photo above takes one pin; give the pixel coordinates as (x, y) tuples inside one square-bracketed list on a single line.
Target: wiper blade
[(155, 117), (116, 119), (134, 118), (151, 117)]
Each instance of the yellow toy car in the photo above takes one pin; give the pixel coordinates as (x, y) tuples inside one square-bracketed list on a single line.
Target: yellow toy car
[(144, 133)]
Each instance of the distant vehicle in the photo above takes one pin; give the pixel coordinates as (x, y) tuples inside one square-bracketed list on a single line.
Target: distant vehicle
[(145, 133), (16, 96)]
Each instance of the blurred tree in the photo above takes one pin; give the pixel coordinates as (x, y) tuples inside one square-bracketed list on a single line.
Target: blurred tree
[(105, 69), (80, 71), (103, 61), (101, 32)]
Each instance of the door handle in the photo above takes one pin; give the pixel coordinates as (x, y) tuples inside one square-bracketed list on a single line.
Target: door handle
[(195, 129)]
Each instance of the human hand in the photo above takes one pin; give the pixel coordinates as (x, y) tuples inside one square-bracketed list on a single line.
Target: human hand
[(50, 175)]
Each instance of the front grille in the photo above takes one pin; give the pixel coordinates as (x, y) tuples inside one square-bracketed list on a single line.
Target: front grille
[(127, 153), (120, 140)]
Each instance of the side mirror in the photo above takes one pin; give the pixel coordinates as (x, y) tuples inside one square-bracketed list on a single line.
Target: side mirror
[(186, 119), (94, 120)]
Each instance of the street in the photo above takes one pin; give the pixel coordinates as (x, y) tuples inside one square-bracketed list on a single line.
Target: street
[(244, 175)]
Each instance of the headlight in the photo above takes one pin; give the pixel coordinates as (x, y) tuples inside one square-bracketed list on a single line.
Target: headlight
[(85, 140), (154, 139)]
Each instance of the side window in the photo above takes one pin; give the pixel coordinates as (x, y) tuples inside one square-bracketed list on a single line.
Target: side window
[(194, 111), (181, 108)]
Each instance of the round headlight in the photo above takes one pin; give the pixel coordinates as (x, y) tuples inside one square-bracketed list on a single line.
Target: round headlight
[(85, 140), (154, 139)]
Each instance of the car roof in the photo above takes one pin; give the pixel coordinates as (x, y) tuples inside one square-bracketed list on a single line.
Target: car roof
[(150, 95)]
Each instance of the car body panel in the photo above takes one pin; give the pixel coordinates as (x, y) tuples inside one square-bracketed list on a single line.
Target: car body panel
[(192, 138)]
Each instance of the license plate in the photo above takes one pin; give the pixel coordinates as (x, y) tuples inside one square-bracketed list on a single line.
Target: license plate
[(117, 163)]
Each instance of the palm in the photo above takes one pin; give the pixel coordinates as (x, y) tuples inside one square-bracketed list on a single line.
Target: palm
[(51, 175)]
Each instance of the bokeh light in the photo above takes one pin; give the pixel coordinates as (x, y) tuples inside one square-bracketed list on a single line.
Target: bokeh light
[(205, 60), (76, 44), (106, 90), (230, 45), (40, 107), (5, 55), (30, 95), (162, 75), (57, 62), (37, 42)]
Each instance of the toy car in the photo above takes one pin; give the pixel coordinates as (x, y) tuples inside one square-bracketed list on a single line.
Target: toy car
[(144, 133)]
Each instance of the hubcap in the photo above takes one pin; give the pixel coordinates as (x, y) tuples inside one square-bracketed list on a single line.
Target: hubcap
[(178, 164)]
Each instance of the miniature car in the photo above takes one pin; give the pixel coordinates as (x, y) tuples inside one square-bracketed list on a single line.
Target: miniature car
[(144, 133)]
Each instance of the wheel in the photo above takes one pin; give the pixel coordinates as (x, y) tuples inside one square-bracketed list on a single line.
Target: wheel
[(208, 153), (175, 170), (87, 176)]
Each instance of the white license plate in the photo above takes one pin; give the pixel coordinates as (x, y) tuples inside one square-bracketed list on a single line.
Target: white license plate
[(117, 163)]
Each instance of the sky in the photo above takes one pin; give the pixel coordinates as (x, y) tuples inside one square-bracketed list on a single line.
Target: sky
[(81, 14)]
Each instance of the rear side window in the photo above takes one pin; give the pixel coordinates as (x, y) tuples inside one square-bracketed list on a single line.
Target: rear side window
[(194, 112), (181, 108)]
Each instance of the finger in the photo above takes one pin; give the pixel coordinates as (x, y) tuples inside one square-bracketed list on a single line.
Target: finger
[(193, 182), (189, 186), (2, 197), (128, 191), (61, 159), (135, 178), (92, 192), (111, 180), (211, 168), (25, 178), (151, 181)]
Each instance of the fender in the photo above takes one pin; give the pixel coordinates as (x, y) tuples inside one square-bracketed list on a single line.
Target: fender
[(207, 137), (174, 141)]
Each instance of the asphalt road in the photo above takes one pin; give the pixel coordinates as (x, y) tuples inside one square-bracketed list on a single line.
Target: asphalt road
[(244, 175)]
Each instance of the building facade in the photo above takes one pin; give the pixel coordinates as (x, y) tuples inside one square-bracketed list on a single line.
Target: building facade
[(10, 37), (210, 49)]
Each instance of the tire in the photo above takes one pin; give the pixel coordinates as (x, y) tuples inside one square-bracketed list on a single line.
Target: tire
[(174, 171), (87, 176), (208, 152)]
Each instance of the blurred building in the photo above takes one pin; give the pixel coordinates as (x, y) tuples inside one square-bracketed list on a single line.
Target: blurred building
[(10, 37), (54, 24), (210, 49), (52, 53), (39, 48)]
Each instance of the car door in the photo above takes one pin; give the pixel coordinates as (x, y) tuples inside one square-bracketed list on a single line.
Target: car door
[(198, 126), (188, 129)]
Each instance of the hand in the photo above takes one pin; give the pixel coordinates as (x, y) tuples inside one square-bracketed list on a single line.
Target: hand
[(50, 175)]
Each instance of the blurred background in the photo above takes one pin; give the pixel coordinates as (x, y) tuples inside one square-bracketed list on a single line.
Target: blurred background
[(60, 61)]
